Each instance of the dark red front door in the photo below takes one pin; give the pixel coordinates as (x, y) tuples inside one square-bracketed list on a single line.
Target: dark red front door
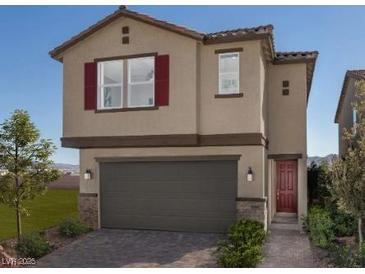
[(286, 192)]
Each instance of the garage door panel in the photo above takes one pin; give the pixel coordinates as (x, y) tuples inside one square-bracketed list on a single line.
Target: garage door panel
[(182, 196), (166, 195), (172, 223), (223, 187), (190, 206), (168, 213), (141, 171)]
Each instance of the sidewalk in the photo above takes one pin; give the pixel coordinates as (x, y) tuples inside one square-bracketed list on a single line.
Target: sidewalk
[(288, 248)]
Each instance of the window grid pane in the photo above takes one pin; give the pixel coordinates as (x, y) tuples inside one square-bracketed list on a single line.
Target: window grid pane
[(141, 70), (141, 95), (112, 97)]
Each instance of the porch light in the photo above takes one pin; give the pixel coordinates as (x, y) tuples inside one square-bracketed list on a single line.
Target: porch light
[(3, 172), (87, 175), (249, 175)]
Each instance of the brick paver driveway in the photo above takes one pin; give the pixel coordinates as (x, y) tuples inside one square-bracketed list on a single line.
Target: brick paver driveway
[(136, 248)]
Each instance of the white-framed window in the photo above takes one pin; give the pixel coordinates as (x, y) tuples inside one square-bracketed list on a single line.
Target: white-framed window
[(354, 116), (110, 84), (354, 119), (141, 82), (229, 73)]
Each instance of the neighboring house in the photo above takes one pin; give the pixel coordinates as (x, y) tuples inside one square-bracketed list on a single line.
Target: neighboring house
[(180, 130), (345, 114)]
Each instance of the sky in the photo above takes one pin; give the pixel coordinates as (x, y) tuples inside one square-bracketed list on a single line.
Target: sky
[(31, 80)]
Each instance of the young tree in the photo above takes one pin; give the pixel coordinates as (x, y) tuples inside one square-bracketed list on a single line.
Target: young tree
[(348, 173), (25, 158)]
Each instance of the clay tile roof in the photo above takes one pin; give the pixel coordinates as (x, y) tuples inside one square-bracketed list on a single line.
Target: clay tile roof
[(282, 57), (357, 74), (254, 32), (350, 74)]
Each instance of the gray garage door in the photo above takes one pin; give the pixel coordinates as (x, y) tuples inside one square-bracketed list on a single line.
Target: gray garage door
[(177, 195)]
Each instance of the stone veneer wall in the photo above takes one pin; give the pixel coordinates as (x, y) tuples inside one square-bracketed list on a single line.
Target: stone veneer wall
[(247, 208), (252, 208), (88, 209)]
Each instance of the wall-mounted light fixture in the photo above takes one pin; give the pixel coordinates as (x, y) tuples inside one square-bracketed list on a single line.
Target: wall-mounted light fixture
[(87, 174), (249, 175), (3, 172)]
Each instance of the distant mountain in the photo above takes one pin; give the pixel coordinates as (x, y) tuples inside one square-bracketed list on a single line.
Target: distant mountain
[(68, 168), (319, 159)]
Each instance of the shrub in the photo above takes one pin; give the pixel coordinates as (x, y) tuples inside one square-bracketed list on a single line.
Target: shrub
[(33, 246), (347, 256), (318, 181), (320, 226), (72, 228), (342, 256), (344, 224), (361, 256), (243, 248)]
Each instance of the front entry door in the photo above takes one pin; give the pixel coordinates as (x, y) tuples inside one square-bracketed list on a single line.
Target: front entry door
[(287, 182)]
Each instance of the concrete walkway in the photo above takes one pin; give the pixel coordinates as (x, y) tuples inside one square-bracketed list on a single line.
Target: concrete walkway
[(287, 247)]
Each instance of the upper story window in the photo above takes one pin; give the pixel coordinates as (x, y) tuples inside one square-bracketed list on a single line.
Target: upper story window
[(110, 84), (354, 119), (141, 82), (136, 91), (229, 73), (354, 116)]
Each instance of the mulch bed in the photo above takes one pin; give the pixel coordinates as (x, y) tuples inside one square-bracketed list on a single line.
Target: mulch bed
[(55, 239), (322, 256)]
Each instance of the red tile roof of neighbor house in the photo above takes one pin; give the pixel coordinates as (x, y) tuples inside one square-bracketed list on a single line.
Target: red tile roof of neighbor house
[(350, 74), (241, 34)]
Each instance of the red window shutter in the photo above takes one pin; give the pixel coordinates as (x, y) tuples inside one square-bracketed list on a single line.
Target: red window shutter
[(162, 80), (90, 78)]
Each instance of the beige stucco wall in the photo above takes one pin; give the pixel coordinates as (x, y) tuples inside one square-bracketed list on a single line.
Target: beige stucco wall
[(288, 125), (302, 188), (180, 117), (231, 115), (345, 118), (272, 189), (192, 107), (251, 156), (287, 114)]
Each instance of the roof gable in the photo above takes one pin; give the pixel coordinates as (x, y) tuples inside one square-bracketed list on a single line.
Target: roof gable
[(122, 11), (255, 33), (350, 74)]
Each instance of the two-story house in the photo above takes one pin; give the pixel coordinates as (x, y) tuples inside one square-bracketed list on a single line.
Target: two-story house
[(345, 114), (180, 130)]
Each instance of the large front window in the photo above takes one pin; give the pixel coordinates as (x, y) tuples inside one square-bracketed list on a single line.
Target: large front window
[(229, 73), (136, 89)]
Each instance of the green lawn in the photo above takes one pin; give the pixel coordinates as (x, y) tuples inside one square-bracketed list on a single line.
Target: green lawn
[(45, 211)]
